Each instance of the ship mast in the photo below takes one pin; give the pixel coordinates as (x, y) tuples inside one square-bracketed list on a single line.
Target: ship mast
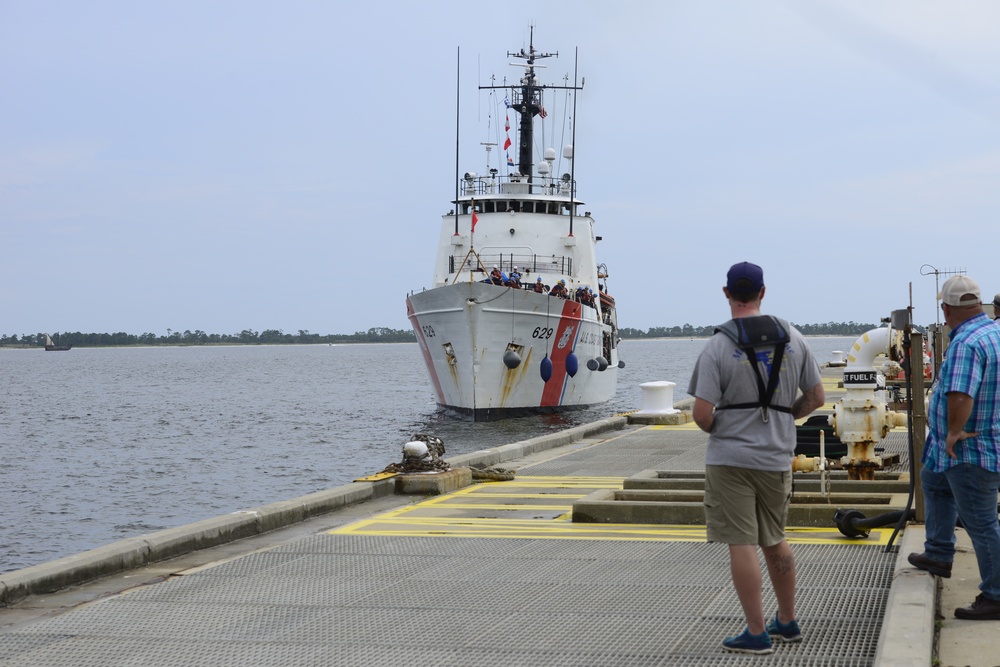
[(529, 104), (527, 101)]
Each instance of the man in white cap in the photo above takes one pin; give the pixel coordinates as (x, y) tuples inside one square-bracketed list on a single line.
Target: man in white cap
[(961, 473), (514, 279)]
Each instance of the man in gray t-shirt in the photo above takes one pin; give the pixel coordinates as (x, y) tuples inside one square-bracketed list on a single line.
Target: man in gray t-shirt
[(750, 418)]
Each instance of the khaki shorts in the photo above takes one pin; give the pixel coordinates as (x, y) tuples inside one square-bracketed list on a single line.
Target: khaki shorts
[(744, 506)]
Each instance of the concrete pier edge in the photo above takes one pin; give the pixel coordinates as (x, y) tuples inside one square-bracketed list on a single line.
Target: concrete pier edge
[(908, 627), (136, 552)]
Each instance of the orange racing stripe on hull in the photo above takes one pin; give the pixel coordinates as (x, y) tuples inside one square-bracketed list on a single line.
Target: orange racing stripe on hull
[(565, 342)]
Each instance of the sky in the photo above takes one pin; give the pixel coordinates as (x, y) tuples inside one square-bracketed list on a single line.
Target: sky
[(221, 165)]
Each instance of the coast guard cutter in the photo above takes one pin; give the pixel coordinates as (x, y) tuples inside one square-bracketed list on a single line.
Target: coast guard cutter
[(499, 350)]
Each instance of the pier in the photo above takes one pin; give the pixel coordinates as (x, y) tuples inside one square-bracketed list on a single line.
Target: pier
[(493, 573)]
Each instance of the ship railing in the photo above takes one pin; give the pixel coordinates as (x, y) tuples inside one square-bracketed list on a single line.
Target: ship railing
[(527, 264), (516, 184)]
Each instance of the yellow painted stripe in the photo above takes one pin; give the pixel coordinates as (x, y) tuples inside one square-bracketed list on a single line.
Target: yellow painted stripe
[(563, 529), (691, 426), (608, 483), (548, 479), (507, 507), (408, 520), (376, 477), (529, 496), (687, 426)]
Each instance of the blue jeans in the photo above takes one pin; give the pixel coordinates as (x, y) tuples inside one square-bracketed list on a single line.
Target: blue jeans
[(968, 492)]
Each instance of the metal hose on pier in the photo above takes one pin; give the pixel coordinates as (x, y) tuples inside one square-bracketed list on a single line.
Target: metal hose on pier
[(853, 523)]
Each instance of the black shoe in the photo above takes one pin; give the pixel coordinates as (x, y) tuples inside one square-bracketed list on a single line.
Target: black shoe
[(983, 609), (936, 567)]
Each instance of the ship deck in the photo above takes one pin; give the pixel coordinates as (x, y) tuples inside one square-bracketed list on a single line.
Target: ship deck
[(498, 573)]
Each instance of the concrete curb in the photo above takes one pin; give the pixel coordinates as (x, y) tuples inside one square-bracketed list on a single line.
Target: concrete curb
[(139, 551), (907, 636)]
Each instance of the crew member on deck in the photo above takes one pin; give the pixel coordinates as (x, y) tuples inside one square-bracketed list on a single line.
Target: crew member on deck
[(496, 276), (514, 279), (559, 290), (539, 286)]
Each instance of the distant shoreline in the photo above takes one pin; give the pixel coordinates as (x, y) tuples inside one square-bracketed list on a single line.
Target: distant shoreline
[(199, 338), (20, 346)]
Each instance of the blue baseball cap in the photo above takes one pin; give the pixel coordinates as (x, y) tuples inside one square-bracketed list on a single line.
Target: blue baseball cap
[(745, 278)]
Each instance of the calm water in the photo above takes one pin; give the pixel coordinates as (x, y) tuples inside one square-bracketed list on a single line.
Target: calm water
[(103, 444)]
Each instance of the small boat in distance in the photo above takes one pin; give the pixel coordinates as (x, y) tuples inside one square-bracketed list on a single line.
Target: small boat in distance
[(519, 319), (52, 347)]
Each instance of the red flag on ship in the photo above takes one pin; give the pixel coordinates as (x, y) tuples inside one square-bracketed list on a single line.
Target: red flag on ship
[(506, 144), (475, 219)]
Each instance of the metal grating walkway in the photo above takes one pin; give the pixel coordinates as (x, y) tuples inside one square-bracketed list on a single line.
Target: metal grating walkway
[(358, 600)]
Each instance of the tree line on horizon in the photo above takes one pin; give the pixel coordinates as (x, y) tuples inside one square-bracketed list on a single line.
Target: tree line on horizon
[(199, 337), (373, 335), (687, 331)]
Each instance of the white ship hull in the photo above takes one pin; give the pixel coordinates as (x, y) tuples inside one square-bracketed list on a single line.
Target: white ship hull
[(496, 347), (464, 330)]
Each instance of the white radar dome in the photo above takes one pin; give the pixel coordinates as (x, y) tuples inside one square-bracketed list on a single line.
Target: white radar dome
[(568, 151), (544, 169), (550, 154)]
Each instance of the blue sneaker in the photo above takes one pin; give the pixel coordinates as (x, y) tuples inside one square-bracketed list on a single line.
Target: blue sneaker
[(786, 632), (748, 643)]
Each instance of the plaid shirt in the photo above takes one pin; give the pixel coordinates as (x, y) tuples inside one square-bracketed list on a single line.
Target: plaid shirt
[(971, 366)]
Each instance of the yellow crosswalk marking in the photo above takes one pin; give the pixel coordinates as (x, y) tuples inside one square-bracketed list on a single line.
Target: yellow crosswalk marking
[(454, 515)]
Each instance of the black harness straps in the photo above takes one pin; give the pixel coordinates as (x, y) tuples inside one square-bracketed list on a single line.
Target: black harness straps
[(750, 333)]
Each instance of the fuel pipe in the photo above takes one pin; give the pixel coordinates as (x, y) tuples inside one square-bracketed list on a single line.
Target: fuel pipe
[(853, 523)]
